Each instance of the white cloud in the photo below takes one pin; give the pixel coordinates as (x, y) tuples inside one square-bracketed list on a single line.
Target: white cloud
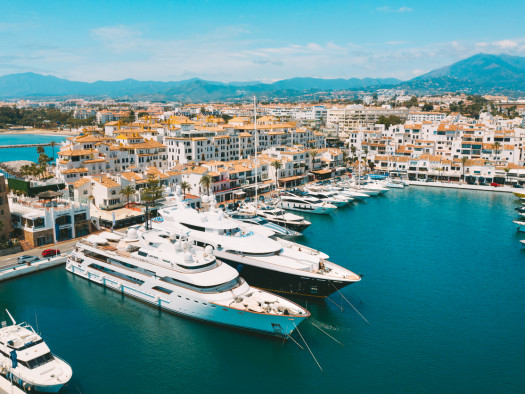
[(506, 44), (395, 10)]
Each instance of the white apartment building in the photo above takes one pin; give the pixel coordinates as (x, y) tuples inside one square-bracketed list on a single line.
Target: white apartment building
[(357, 116)]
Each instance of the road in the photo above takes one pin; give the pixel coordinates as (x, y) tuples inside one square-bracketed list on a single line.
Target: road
[(11, 260)]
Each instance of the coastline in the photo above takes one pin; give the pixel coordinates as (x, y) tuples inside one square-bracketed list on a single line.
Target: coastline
[(58, 133)]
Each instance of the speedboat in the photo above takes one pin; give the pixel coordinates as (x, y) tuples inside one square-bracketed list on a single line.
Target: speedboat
[(170, 274), (352, 193), (273, 264), (26, 359)]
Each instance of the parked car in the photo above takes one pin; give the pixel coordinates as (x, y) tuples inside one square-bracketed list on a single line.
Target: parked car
[(27, 259), (50, 252), (517, 186), (495, 184)]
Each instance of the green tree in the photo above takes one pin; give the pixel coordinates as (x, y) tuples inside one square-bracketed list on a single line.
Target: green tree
[(53, 144), (206, 182), (496, 148), (152, 192), (463, 162), (277, 165), (412, 102), (389, 120), (226, 117), (428, 107), (313, 153), (507, 169), (127, 192), (185, 186)]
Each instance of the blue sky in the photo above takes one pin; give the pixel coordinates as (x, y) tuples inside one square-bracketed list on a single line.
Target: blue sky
[(251, 40)]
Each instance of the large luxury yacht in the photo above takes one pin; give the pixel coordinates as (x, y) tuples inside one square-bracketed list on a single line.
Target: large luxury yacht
[(273, 264), (171, 274), (27, 361)]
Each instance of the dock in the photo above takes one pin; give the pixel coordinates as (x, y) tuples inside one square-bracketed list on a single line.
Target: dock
[(15, 271), (7, 388), (466, 186), (25, 145)]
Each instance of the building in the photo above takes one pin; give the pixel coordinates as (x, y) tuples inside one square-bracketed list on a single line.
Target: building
[(353, 117), (5, 216), (49, 218)]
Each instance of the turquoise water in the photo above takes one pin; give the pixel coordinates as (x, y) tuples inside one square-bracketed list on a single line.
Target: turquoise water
[(27, 153), (443, 290)]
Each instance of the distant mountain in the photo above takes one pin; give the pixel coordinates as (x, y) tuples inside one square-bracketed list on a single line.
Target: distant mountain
[(36, 85), (481, 73)]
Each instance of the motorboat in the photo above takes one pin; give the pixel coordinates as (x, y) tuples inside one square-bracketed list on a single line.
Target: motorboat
[(330, 197), (170, 273), (27, 361), (277, 215), (257, 220), (307, 204)]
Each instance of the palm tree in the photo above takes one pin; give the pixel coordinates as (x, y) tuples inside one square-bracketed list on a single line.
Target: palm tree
[(496, 148), (463, 162), (185, 186), (53, 144), (40, 150), (277, 165), (127, 192), (25, 170), (313, 153), (206, 182), (353, 149), (506, 173)]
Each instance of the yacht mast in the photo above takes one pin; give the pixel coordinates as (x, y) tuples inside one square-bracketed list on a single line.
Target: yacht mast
[(256, 148)]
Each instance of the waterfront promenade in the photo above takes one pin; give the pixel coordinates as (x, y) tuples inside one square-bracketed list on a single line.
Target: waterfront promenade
[(466, 186)]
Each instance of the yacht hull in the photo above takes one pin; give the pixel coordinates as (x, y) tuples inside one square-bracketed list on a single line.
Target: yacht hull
[(193, 307), (307, 208), (282, 282), (300, 227)]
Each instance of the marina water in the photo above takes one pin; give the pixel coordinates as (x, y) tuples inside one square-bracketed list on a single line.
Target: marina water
[(27, 153), (443, 291)]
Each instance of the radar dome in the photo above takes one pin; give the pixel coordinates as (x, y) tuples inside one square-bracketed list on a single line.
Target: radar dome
[(209, 249)]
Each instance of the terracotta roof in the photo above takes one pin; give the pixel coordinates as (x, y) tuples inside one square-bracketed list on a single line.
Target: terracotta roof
[(81, 182)]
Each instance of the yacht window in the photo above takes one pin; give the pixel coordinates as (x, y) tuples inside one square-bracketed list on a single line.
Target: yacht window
[(192, 227), (162, 289), (41, 360), (27, 345), (194, 267), (206, 289), (144, 254)]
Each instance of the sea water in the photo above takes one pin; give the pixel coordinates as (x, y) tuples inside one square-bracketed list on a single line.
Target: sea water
[(27, 153), (443, 290)]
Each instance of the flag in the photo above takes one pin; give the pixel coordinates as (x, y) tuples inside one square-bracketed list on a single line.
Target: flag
[(13, 359)]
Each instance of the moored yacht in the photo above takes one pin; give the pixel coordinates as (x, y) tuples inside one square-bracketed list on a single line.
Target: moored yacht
[(273, 264), (170, 274), (27, 360), (254, 219), (278, 216), (330, 197), (304, 204)]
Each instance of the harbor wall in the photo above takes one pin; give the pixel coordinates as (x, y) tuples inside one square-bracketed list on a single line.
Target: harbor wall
[(20, 270), (466, 186)]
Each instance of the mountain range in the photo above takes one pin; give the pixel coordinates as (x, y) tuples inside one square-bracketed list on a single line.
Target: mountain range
[(481, 73)]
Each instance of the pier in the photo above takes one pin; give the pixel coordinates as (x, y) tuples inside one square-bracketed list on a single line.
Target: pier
[(25, 145), (17, 270)]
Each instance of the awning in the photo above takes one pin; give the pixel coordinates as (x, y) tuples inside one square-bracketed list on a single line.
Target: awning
[(290, 178), (321, 172)]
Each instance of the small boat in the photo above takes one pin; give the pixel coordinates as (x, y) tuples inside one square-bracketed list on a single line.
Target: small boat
[(278, 216), (27, 360), (521, 196), (520, 225)]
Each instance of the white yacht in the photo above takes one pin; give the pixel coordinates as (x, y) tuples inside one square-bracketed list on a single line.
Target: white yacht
[(172, 275), (273, 264), (27, 361), (330, 197), (352, 193), (253, 219), (304, 204), (277, 216)]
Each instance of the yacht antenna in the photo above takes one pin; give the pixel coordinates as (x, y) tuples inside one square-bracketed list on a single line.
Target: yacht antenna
[(11, 317), (36, 320)]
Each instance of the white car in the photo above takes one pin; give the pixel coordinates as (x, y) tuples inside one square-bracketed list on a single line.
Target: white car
[(27, 259)]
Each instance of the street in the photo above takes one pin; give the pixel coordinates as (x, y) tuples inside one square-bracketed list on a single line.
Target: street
[(11, 260)]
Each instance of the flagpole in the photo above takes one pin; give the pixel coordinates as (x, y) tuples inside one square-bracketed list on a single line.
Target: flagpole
[(256, 148)]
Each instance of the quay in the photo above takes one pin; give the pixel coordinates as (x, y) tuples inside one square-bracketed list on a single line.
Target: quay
[(466, 186), (25, 269), (25, 145), (7, 388)]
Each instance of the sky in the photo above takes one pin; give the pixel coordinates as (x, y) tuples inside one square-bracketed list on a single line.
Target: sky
[(251, 40)]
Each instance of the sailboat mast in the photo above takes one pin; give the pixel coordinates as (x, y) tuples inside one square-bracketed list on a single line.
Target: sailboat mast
[(256, 147)]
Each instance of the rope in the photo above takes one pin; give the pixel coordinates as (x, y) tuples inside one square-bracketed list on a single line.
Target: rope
[(308, 347)]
